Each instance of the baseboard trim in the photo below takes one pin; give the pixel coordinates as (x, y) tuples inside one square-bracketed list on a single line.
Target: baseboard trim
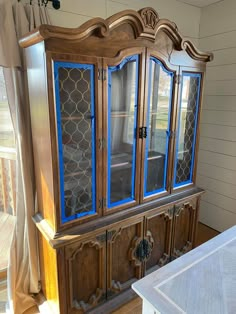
[(115, 303)]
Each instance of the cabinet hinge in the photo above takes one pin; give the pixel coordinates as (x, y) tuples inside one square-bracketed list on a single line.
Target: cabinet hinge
[(142, 132), (101, 143), (170, 133), (102, 202), (178, 79), (102, 74)]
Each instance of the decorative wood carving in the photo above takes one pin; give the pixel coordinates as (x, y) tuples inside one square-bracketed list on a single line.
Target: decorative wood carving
[(141, 249), (179, 209), (169, 213), (81, 305), (102, 238), (150, 17), (145, 23), (164, 260), (116, 285), (188, 246), (114, 234), (71, 253)]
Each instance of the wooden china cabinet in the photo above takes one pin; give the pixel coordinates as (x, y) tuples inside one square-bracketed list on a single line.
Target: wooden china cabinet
[(115, 109)]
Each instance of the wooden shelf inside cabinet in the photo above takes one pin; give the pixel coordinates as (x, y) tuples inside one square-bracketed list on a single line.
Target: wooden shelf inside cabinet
[(77, 118), (125, 164), (121, 114)]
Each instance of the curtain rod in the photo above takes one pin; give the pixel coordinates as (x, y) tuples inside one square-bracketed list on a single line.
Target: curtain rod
[(56, 4)]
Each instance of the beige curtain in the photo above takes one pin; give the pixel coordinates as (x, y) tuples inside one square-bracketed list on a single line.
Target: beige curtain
[(17, 19)]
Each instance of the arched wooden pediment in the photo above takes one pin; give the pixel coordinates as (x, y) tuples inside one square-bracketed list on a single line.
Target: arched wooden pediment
[(145, 23)]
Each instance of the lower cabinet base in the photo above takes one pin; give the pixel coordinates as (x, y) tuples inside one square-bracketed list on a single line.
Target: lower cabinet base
[(107, 307), (93, 272)]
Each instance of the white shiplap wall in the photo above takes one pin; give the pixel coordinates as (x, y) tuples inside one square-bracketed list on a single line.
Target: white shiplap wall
[(75, 12), (217, 154)]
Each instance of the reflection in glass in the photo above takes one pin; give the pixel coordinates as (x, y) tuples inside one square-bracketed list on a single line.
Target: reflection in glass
[(122, 106), (187, 123), (76, 133), (158, 124)]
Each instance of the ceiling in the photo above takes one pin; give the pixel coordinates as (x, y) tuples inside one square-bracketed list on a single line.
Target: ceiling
[(200, 3)]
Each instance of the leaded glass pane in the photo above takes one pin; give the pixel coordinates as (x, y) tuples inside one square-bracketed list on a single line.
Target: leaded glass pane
[(158, 124), (122, 99), (76, 133), (187, 123)]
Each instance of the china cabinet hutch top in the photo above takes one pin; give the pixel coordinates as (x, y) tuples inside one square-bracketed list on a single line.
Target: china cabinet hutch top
[(115, 112)]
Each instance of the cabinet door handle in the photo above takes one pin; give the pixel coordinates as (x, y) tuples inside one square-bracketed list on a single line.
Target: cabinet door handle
[(170, 133), (143, 132), (143, 250)]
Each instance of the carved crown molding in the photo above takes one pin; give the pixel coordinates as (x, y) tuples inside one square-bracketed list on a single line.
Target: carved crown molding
[(145, 23), (150, 17)]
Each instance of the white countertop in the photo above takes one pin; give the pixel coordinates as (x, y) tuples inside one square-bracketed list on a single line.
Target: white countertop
[(202, 281)]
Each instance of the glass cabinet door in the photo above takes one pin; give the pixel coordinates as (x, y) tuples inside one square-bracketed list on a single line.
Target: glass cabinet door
[(160, 87), (75, 109), (186, 128), (122, 123)]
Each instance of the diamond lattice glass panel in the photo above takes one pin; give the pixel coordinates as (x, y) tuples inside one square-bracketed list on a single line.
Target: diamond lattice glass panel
[(76, 134), (122, 111), (158, 125), (187, 123)]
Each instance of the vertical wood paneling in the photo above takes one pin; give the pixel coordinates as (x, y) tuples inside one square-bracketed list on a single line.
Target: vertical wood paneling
[(217, 156)]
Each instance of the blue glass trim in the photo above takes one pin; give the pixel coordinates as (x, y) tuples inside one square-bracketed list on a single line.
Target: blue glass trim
[(93, 129), (177, 142), (109, 142), (110, 70), (136, 58), (124, 201), (197, 75), (154, 192), (146, 148), (168, 130), (57, 65)]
